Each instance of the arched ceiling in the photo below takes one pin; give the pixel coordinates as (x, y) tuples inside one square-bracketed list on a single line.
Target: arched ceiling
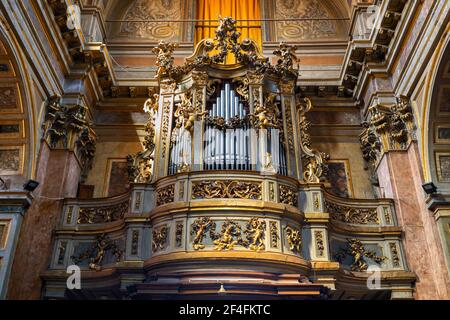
[(290, 31), (14, 131)]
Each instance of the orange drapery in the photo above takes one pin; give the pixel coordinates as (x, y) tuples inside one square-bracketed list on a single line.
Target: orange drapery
[(237, 9)]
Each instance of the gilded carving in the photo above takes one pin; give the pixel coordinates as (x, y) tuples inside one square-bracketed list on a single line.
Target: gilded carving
[(353, 215), (294, 239), (69, 215), (224, 42), (394, 254), (320, 247), (314, 166), (358, 252), (86, 146), (97, 252), (199, 229), (87, 215), (165, 127), (135, 242), (61, 122), (61, 251), (265, 115), (226, 189), (288, 195), (274, 234), (159, 238), (230, 235), (140, 165), (255, 233), (389, 127), (165, 195), (179, 234)]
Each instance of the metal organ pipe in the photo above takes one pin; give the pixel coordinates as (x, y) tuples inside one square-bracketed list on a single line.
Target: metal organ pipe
[(230, 148)]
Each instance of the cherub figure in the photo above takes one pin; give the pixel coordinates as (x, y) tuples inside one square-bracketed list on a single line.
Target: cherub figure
[(255, 234), (287, 56), (164, 59)]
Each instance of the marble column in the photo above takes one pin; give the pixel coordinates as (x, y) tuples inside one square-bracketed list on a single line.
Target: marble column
[(58, 173), (400, 177)]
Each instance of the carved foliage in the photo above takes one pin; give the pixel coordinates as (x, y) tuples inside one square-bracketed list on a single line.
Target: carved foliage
[(102, 214), (353, 215), (159, 238), (165, 195), (199, 230), (61, 122), (359, 253), (294, 239), (388, 128), (97, 252), (288, 195), (224, 42), (226, 189)]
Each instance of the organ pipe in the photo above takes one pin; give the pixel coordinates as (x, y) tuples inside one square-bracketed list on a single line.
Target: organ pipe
[(228, 144)]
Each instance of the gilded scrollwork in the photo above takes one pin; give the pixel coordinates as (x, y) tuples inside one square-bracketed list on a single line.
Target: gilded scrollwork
[(140, 165), (255, 233), (216, 51), (226, 189), (353, 215), (165, 195), (314, 166), (288, 195), (159, 238), (96, 253), (199, 230), (294, 239), (359, 253), (93, 215)]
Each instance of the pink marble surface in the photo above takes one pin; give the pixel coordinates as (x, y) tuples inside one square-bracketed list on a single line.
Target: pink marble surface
[(401, 178)]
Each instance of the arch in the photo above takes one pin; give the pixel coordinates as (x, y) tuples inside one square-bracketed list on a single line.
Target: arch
[(18, 116), (435, 122)]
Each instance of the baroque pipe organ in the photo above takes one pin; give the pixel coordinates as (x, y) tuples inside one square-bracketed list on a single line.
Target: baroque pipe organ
[(228, 196)]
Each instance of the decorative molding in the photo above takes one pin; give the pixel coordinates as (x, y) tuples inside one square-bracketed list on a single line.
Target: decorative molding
[(294, 239), (87, 215), (352, 215), (165, 195), (96, 253), (288, 195), (389, 127), (358, 252), (226, 189), (159, 238)]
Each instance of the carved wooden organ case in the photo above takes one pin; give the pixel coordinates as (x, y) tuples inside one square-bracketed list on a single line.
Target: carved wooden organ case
[(229, 180)]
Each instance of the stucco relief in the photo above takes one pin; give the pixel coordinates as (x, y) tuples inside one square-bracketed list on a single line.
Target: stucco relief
[(153, 10), (306, 29)]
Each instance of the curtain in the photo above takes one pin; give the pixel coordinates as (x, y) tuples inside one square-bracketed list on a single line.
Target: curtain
[(237, 9)]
